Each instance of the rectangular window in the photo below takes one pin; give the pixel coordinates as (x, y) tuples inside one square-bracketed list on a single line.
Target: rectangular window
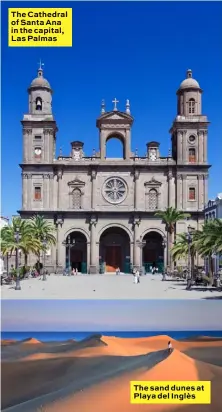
[(37, 193), (192, 194), (192, 155), (38, 137)]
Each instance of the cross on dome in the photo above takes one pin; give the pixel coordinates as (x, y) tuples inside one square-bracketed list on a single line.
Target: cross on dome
[(115, 101)]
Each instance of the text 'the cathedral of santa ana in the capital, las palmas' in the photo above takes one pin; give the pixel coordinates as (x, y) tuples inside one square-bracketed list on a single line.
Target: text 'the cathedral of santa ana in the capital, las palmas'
[(104, 206)]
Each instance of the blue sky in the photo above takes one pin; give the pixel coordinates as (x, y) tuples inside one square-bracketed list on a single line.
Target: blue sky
[(108, 315), (138, 51)]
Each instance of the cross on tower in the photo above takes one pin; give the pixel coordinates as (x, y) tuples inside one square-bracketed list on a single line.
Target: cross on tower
[(40, 64), (115, 102)]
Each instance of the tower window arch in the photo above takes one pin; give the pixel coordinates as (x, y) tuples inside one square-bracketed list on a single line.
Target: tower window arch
[(191, 106), (153, 199), (192, 193), (76, 198), (192, 155), (38, 103)]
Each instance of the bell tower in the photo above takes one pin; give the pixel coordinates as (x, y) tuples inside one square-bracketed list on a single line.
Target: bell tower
[(39, 126), (189, 130)]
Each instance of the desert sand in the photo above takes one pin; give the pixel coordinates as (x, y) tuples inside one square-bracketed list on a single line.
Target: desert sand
[(94, 374)]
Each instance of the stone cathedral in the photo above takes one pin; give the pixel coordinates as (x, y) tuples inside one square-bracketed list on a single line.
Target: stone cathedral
[(103, 209)]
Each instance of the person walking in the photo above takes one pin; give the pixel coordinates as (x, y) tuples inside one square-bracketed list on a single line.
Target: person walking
[(170, 348)]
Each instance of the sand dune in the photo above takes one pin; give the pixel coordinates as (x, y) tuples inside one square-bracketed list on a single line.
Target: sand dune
[(67, 376)]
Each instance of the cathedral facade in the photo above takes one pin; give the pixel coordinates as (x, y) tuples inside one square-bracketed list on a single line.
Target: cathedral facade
[(104, 208)]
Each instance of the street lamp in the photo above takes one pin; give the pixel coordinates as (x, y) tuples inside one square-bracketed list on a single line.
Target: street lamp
[(141, 243), (164, 243), (190, 269), (17, 237), (69, 244), (44, 244)]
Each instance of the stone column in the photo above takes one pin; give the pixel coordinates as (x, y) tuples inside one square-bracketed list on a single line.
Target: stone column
[(205, 189), (136, 249), (127, 144), (93, 248), (136, 189), (200, 192), (45, 191), (102, 145), (200, 145), (184, 195), (29, 193), (179, 192), (51, 191), (184, 146), (59, 180), (170, 200), (25, 190), (205, 146), (93, 189), (179, 146)]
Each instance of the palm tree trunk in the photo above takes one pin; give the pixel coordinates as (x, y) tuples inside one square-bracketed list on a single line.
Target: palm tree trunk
[(26, 259), (169, 250), (192, 264), (211, 264)]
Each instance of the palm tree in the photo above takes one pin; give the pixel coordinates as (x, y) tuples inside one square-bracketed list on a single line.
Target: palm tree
[(42, 229), (170, 217), (27, 243), (209, 241), (180, 248)]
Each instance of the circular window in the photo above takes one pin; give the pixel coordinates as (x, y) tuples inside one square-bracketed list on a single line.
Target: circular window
[(114, 190), (192, 139)]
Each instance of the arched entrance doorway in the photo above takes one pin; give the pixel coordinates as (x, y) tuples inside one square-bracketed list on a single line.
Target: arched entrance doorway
[(76, 251), (114, 250), (153, 251)]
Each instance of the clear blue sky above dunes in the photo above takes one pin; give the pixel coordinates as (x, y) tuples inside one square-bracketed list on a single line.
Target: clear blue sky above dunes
[(110, 315), (138, 51)]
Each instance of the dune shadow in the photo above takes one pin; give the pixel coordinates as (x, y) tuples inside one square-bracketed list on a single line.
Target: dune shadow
[(24, 381)]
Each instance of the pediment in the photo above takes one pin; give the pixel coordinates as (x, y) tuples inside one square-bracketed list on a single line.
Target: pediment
[(153, 182), (114, 117), (76, 183)]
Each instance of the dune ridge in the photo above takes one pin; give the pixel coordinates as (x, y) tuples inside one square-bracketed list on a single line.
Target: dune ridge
[(98, 370)]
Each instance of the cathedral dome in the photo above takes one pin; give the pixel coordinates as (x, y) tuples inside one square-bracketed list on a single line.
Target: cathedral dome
[(189, 82), (40, 81)]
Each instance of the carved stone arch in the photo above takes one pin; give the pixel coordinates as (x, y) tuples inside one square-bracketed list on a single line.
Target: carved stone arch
[(113, 225), (115, 134), (77, 229), (153, 229)]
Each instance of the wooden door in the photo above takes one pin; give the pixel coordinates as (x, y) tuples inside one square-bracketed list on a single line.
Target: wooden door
[(113, 258)]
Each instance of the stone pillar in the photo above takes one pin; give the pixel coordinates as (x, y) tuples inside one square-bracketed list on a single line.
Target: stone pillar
[(200, 145), (184, 146), (29, 193), (205, 146), (51, 191), (184, 191), (93, 189), (27, 136), (25, 190), (46, 191), (179, 192), (102, 145), (93, 248), (170, 194), (59, 180), (136, 190), (205, 189), (127, 144), (136, 249), (179, 146), (200, 192)]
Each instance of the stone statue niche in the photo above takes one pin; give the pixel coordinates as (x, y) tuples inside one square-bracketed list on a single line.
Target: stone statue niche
[(77, 150)]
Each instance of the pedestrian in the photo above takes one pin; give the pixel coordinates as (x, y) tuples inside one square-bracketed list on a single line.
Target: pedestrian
[(118, 271), (76, 271), (170, 348)]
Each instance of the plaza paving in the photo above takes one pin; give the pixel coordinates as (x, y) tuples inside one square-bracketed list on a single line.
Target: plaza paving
[(106, 287)]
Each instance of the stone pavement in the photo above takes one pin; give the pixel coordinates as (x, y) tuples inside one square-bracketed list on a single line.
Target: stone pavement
[(106, 287)]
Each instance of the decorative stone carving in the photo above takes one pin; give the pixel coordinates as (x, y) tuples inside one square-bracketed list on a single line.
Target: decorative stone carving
[(59, 174), (25, 176), (114, 190), (136, 175), (115, 126), (48, 131), (152, 183), (76, 183), (59, 220), (153, 199), (170, 174), (93, 220), (136, 221), (93, 174), (27, 131)]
